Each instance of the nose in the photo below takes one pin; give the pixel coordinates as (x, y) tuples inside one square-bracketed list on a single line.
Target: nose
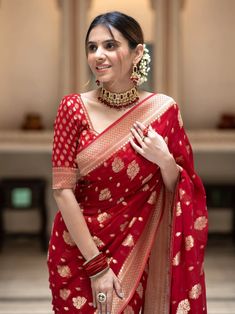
[(99, 53)]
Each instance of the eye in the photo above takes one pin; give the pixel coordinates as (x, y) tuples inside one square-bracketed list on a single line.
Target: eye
[(91, 48), (111, 45)]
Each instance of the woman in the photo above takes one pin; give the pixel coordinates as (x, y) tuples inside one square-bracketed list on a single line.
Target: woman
[(131, 231)]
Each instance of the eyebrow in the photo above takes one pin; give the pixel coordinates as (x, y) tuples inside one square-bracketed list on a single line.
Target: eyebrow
[(105, 41)]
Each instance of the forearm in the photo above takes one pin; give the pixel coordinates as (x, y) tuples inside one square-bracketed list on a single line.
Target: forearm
[(75, 222), (170, 173)]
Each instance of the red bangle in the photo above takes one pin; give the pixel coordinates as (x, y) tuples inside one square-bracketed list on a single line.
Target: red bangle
[(96, 265)]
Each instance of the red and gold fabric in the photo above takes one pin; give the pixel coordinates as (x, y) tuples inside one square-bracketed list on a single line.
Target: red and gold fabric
[(154, 240)]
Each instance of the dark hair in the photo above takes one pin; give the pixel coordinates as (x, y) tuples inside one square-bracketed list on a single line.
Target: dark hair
[(125, 24)]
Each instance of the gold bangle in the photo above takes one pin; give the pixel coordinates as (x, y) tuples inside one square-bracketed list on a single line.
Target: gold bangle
[(86, 262)]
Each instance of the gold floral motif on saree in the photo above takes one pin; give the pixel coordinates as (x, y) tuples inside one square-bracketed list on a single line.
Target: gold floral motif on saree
[(176, 259), (180, 119), (200, 223), (178, 209), (149, 177), (133, 220), (103, 216), (195, 292), (98, 241), (123, 226), (152, 199), (64, 294), (117, 164), (133, 169), (64, 271), (67, 239), (105, 194), (183, 307), (128, 241), (189, 242), (78, 302)]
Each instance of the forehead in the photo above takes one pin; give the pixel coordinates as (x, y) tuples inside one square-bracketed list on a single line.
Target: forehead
[(101, 33)]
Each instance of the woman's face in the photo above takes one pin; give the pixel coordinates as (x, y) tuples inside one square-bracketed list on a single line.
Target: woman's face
[(110, 58)]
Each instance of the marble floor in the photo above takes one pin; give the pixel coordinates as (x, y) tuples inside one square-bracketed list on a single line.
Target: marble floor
[(24, 286)]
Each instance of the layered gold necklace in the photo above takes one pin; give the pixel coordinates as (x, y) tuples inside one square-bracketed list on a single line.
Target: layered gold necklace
[(119, 101)]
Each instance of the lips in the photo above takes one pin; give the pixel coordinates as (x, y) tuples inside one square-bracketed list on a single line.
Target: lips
[(103, 67)]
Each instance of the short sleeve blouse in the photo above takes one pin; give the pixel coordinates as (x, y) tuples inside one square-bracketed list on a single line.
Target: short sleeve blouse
[(71, 128)]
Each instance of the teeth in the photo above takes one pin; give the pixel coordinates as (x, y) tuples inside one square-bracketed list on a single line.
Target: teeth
[(103, 67)]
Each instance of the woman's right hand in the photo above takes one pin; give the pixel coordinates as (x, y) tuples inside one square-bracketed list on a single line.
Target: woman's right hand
[(105, 283)]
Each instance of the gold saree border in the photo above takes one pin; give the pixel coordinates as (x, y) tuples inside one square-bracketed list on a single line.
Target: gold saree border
[(64, 177), (117, 135), (156, 230)]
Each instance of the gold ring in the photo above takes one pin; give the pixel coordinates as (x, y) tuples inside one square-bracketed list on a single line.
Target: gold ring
[(101, 297)]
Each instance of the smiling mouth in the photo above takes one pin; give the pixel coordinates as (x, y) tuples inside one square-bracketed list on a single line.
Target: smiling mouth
[(103, 67)]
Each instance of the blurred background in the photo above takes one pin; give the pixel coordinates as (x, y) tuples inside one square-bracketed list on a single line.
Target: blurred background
[(42, 58)]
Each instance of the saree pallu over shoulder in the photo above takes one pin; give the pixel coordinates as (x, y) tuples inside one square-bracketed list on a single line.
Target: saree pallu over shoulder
[(117, 136), (174, 228)]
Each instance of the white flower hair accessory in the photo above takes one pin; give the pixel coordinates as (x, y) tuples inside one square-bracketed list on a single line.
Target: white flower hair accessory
[(143, 66)]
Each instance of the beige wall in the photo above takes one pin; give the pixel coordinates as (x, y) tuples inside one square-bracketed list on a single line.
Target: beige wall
[(139, 9), (208, 61), (29, 54)]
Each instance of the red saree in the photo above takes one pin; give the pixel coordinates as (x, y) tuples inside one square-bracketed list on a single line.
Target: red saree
[(154, 240)]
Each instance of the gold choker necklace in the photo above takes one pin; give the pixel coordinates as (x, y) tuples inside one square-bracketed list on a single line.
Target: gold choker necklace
[(119, 101)]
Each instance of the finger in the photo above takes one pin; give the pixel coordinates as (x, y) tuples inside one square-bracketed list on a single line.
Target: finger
[(118, 288), (137, 136), (104, 306), (94, 298), (109, 301), (141, 125), (136, 147)]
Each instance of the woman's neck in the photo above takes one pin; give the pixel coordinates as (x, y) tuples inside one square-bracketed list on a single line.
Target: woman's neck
[(118, 88)]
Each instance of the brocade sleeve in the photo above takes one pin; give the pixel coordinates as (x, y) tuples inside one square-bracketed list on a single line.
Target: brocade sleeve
[(66, 128)]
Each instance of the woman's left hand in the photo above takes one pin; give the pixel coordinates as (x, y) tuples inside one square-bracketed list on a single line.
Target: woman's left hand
[(151, 145)]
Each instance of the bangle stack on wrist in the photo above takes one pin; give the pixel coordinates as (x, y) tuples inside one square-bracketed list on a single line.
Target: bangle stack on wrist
[(96, 265)]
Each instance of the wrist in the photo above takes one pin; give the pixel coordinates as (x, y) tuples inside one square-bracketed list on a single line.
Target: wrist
[(167, 162)]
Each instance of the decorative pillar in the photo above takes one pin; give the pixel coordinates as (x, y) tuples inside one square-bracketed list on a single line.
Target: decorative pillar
[(167, 50), (73, 66)]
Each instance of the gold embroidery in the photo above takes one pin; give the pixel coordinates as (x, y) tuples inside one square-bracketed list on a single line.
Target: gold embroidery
[(189, 242), (132, 222), (128, 310), (63, 177), (200, 223), (117, 164), (78, 302), (128, 241), (105, 194), (178, 209), (145, 188), (183, 307), (140, 290), (64, 271), (195, 292), (133, 169), (98, 241), (64, 294), (123, 226), (103, 216), (149, 177), (67, 238), (176, 259), (152, 198), (180, 120)]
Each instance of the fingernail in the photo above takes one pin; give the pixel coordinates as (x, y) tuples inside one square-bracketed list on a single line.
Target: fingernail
[(121, 294)]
